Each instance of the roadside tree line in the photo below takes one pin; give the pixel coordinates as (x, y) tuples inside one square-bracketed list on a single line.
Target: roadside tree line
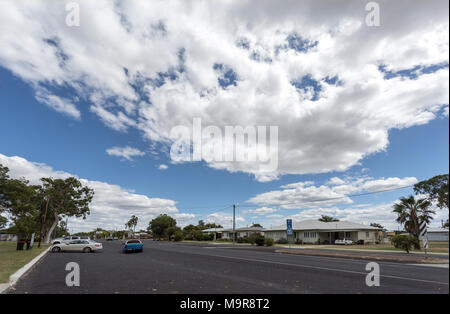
[(165, 227), (41, 208)]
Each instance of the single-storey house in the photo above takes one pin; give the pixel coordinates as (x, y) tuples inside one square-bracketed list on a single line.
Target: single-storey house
[(318, 232), (437, 235), (227, 234), (216, 231), (142, 235)]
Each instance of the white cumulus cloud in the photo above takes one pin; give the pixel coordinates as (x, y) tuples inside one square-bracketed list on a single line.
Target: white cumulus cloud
[(126, 152), (312, 68), (112, 205), (336, 191)]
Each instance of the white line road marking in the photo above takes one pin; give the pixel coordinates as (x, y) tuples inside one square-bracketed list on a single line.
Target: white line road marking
[(348, 260), (431, 265), (330, 269)]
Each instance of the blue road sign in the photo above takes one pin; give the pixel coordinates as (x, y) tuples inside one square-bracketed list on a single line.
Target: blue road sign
[(289, 230)]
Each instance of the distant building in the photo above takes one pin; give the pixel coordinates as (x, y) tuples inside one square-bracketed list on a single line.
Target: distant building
[(8, 237), (437, 235), (227, 234), (318, 232), (142, 235), (216, 231), (241, 232)]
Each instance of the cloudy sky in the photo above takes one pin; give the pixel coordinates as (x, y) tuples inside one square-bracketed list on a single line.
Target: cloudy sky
[(359, 109)]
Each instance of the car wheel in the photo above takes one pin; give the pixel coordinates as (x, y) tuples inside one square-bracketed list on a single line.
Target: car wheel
[(56, 249), (87, 250)]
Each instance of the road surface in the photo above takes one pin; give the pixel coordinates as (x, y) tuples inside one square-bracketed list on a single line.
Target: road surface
[(209, 269)]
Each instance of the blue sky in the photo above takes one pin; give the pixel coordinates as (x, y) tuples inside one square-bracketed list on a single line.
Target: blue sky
[(78, 147), (347, 126)]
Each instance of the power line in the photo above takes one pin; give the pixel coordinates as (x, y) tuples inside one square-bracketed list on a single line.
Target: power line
[(336, 198), (201, 207), (213, 210)]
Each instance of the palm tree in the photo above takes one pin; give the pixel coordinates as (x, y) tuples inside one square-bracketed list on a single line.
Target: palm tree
[(411, 212), (325, 218), (131, 224)]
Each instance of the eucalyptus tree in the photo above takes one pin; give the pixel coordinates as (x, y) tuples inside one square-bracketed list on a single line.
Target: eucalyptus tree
[(65, 197)]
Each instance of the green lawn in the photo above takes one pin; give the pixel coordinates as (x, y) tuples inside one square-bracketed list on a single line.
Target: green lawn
[(12, 260), (434, 247)]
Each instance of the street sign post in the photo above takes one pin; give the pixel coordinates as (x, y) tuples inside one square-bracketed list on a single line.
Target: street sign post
[(423, 235), (289, 230)]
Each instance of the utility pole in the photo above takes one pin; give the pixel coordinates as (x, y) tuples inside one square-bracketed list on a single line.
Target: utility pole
[(234, 223)]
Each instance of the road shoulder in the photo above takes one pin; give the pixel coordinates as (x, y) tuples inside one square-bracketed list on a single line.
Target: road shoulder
[(22, 271), (411, 259)]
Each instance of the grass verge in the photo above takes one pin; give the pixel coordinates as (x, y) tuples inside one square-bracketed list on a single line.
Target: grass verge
[(12, 260)]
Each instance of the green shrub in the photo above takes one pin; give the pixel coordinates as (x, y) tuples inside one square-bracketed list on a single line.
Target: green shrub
[(171, 231), (252, 238), (283, 241), (268, 242), (259, 239), (198, 235), (405, 242), (178, 236), (202, 236)]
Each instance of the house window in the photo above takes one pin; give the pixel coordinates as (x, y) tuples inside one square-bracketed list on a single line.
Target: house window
[(367, 235), (309, 234), (348, 234)]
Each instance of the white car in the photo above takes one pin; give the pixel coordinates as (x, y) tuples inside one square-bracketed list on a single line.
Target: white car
[(343, 242), (85, 246), (68, 239)]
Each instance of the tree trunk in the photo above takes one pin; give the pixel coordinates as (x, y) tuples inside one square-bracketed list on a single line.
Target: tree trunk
[(50, 231), (417, 244), (43, 223)]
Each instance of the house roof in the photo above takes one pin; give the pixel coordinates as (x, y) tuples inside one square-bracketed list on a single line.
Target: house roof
[(242, 229), (214, 230), (437, 230), (325, 226)]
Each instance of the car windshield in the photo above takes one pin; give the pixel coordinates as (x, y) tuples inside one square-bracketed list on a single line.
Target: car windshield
[(133, 242)]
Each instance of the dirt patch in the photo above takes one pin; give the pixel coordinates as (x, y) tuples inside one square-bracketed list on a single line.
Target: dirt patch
[(372, 257)]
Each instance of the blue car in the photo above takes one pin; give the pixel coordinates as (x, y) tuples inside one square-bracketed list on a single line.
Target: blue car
[(133, 246)]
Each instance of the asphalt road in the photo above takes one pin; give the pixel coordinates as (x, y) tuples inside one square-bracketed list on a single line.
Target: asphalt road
[(208, 269)]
